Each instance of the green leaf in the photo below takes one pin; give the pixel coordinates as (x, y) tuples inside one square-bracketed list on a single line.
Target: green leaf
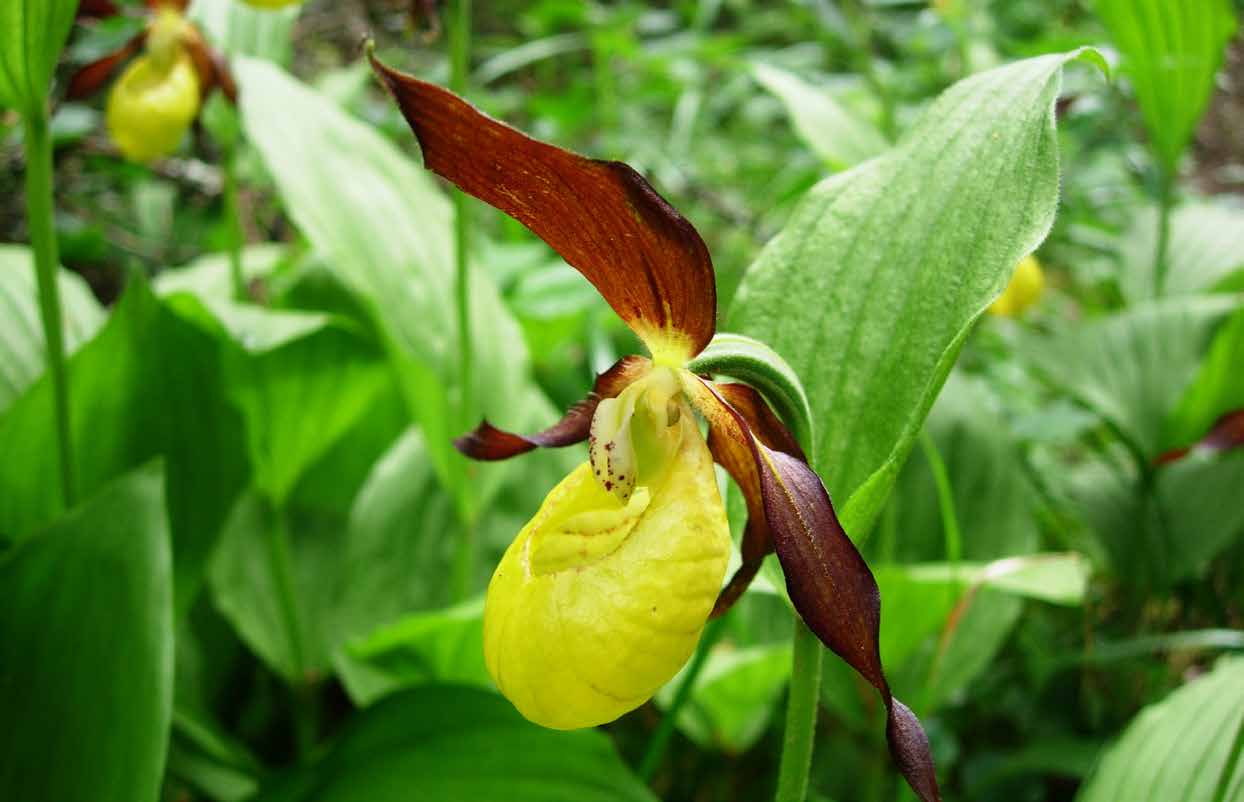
[(1185, 747), (1131, 368), (445, 646), (247, 585), (384, 227), (150, 383), (835, 134), (1217, 389), (1160, 535), (21, 334), (1171, 50), (299, 393), (1206, 248), (399, 539), (240, 29), (452, 743), (734, 696), (208, 276), (32, 33), (86, 651), (873, 285)]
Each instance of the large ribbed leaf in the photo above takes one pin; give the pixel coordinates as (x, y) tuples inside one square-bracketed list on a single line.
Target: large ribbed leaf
[(872, 287), (1185, 747), (149, 383), (447, 742), (1206, 248), (1171, 50), (86, 651), (32, 33), (21, 336), (1134, 366)]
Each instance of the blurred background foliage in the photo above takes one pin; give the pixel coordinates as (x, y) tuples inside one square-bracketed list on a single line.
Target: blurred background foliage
[(1049, 574)]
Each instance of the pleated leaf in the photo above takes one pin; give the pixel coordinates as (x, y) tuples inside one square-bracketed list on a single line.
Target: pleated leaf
[(449, 742), (1171, 50), (22, 358), (873, 285), (1185, 747), (86, 651), (32, 33)]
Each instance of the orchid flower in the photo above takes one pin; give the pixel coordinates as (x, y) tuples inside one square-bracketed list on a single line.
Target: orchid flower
[(602, 596), (157, 97)]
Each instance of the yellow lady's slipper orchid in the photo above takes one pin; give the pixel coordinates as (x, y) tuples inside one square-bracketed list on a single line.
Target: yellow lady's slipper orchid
[(152, 104), (1024, 289), (150, 108), (603, 595)]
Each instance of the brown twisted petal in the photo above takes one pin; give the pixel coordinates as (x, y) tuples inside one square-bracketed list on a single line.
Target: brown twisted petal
[(90, 77), (489, 443), (829, 583), (604, 219), (737, 458)]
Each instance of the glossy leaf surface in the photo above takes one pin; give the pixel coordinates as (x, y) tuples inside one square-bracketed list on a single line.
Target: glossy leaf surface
[(149, 383), (454, 743), (86, 651)]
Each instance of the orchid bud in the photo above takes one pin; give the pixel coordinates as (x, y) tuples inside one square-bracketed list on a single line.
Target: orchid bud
[(1024, 289)]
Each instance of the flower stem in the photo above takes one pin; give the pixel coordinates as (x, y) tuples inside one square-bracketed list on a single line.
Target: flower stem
[(945, 498), (660, 738), (801, 711), (459, 65), (233, 223), (280, 558), (1166, 185), (42, 228)]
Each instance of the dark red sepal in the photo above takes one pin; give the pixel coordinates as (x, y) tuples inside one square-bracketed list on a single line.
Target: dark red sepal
[(96, 9), (602, 217), (1226, 433), (829, 583), (489, 443), (90, 77)]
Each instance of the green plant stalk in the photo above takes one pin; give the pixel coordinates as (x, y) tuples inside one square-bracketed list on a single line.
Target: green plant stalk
[(945, 498), (281, 559), (660, 738), (233, 222), (1166, 186), (42, 227), (802, 705), (459, 76)]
